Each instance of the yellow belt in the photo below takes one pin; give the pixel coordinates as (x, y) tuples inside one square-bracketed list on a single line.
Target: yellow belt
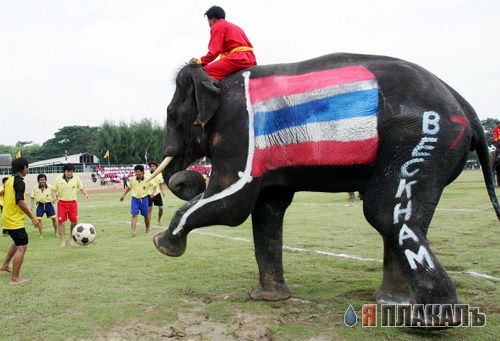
[(236, 49)]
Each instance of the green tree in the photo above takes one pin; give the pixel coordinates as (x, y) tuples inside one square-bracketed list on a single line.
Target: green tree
[(70, 140), (488, 125), (128, 143)]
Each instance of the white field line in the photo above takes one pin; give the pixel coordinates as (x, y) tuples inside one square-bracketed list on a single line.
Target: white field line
[(318, 252), (477, 274)]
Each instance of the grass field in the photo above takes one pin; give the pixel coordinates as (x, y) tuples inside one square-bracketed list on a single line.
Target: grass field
[(123, 288)]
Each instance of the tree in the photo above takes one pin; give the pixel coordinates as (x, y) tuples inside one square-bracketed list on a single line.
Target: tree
[(70, 140), (488, 125), (128, 143)]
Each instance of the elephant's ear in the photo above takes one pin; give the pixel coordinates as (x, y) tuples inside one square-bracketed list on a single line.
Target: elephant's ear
[(207, 93)]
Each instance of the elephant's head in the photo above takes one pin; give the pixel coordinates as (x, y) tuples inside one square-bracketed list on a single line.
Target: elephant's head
[(195, 101)]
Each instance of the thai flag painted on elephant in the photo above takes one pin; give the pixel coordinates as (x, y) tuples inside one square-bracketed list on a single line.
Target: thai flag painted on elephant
[(320, 118)]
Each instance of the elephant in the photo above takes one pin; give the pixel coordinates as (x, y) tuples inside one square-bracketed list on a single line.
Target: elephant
[(381, 126)]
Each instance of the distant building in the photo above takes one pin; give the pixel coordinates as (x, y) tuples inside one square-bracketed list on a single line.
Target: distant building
[(5, 160), (82, 158)]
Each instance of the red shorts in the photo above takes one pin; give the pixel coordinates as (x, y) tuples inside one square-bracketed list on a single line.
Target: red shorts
[(67, 209)]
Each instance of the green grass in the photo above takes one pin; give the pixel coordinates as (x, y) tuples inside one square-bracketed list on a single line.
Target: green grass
[(122, 287)]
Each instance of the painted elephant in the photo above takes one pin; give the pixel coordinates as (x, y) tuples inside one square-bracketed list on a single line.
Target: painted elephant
[(338, 123)]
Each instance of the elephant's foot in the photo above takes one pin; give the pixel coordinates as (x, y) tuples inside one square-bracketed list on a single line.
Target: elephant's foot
[(168, 245), (385, 296), (277, 293), (270, 290), (396, 290)]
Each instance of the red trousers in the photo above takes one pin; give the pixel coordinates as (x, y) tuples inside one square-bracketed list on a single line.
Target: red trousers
[(230, 64)]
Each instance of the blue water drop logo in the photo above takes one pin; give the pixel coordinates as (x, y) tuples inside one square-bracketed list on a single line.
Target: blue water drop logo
[(350, 317)]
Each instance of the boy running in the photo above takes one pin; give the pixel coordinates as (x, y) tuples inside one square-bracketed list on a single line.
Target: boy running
[(158, 186), (140, 198), (42, 196), (65, 188), (4, 232), (13, 220)]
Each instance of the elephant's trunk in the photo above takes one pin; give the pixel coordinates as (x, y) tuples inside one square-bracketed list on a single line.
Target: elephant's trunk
[(187, 184)]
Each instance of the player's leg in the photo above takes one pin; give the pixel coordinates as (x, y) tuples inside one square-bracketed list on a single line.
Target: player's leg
[(73, 218), (150, 207), (134, 210), (8, 257), (133, 225), (62, 216), (20, 238), (40, 227), (51, 213), (146, 207), (39, 215), (159, 203), (54, 224)]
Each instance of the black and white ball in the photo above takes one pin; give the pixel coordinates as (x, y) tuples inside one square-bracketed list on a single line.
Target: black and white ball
[(84, 233)]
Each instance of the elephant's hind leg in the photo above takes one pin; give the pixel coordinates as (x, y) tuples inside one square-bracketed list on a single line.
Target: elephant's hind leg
[(267, 220)]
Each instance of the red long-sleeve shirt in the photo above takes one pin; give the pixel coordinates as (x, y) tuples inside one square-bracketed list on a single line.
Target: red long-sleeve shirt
[(224, 36), (496, 134)]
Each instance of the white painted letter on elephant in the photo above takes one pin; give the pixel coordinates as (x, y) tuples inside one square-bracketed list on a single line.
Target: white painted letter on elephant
[(406, 233), (403, 186), (430, 124), (404, 168), (417, 151), (422, 255), (406, 211)]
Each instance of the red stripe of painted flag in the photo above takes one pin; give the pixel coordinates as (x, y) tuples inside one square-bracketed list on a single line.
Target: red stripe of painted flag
[(262, 89), (323, 153)]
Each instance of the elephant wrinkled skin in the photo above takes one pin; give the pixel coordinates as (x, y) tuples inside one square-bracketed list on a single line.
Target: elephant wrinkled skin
[(338, 123)]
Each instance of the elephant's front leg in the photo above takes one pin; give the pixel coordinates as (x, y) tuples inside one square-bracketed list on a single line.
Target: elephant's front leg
[(267, 220), (228, 207)]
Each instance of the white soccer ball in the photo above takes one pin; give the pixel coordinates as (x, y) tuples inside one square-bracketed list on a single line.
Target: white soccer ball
[(84, 233)]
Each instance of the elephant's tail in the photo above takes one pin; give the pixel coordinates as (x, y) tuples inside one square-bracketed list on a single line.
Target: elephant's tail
[(481, 147)]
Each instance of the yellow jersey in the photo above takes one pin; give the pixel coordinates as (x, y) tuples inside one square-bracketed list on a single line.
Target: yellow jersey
[(42, 196), (66, 190), (156, 183), (12, 215), (140, 188), (1, 196)]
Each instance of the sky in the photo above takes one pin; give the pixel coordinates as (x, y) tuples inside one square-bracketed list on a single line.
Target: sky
[(80, 62)]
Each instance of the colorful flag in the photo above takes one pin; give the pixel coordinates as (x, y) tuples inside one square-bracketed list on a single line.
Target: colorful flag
[(106, 155), (320, 118), (18, 154)]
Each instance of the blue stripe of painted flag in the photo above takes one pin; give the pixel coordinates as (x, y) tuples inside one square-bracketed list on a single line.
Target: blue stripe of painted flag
[(343, 106)]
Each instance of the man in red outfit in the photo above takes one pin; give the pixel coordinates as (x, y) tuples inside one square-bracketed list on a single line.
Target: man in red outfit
[(230, 42), (496, 142), (496, 133)]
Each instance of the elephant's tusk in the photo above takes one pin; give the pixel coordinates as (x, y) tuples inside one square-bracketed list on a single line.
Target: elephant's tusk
[(161, 167)]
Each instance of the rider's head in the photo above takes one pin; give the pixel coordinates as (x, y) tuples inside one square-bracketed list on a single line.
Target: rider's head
[(215, 12)]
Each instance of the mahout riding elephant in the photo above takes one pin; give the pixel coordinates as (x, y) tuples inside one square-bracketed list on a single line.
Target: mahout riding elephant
[(339, 123)]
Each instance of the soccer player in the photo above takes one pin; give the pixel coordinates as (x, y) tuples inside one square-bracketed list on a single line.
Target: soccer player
[(140, 198), (230, 42), (158, 187), (13, 213), (65, 188), (42, 197), (4, 232)]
